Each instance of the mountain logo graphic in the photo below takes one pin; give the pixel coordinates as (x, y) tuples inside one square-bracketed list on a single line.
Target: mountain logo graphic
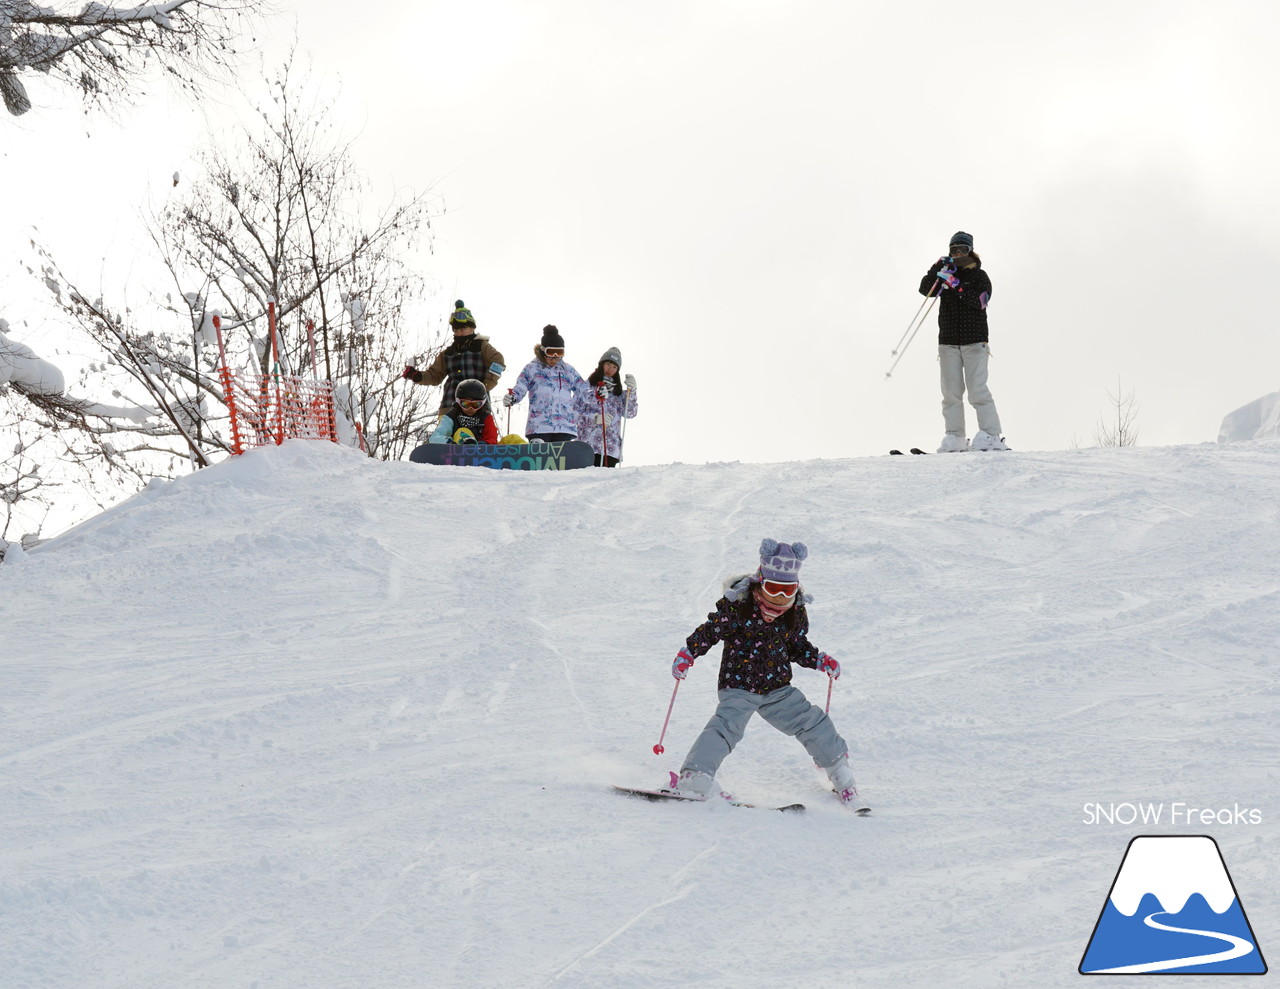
[(1172, 910)]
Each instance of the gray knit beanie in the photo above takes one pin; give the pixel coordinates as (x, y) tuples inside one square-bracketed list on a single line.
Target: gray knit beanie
[(781, 561)]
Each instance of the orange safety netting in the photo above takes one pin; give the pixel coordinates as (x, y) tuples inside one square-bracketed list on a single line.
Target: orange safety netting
[(272, 408)]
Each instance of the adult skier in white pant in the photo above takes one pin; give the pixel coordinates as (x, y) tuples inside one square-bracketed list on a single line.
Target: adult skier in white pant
[(763, 624), (964, 290)]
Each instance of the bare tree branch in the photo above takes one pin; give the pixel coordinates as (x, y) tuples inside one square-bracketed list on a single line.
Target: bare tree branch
[(103, 49), (1119, 427)]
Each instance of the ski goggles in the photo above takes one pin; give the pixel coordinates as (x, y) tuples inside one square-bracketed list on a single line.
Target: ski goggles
[(959, 250), (779, 588), (471, 404), (554, 351)]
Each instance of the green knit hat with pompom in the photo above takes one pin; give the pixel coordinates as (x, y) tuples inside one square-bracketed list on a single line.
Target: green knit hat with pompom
[(461, 315)]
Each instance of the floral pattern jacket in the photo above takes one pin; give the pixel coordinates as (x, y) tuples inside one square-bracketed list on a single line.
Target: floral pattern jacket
[(553, 396), (615, 406)]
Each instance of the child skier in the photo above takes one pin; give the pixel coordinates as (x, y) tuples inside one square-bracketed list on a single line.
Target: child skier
[(763, 624), (468, 420), (600, 422)]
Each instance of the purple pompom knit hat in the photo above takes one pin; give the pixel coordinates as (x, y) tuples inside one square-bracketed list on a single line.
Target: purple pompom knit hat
[(781, 561)]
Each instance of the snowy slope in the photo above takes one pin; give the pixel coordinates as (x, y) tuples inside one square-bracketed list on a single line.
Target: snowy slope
[(306, 720)]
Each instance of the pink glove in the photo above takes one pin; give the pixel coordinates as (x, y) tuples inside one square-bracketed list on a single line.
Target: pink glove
[(680, 666), (829, 666)]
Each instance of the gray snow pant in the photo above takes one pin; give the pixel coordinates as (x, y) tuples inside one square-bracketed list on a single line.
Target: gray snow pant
[(786, 709), (966, 368)]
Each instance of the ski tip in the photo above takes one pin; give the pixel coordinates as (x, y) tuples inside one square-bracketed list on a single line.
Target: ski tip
[(895, 453), (921, 453)]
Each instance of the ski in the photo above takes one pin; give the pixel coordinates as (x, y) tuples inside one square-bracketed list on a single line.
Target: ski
[(632, 791), (915, 449), (857, 805)]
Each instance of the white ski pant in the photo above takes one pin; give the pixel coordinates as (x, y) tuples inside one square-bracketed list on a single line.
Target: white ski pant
[(966, 368), (786, 709)]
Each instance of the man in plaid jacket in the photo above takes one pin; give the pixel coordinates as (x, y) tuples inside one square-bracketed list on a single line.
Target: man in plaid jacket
[(469, 356)]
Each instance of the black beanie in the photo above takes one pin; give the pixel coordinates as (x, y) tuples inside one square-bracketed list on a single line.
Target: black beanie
[(551, 337)]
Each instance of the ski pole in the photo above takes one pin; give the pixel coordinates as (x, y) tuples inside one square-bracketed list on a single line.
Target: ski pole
[(604, 430), (896, 346), (510, 391), (658, 749), (831, 682), (913, 327), (889, 373)]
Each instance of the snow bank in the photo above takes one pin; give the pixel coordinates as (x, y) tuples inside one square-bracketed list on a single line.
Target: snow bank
[(1260, 419), (308, 720)]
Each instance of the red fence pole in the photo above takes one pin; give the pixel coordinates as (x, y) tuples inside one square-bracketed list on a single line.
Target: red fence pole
[(228, 389), (274, 351)]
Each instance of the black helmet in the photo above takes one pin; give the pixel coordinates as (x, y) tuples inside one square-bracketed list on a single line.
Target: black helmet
[(471, 390)]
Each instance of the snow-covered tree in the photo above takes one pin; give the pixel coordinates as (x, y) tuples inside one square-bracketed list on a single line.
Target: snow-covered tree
[(54, 438), (281, 214), (277, 214), (103, 50)]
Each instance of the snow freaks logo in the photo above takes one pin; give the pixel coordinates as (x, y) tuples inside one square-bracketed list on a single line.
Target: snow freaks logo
[(1178, 813), (1172, 910)]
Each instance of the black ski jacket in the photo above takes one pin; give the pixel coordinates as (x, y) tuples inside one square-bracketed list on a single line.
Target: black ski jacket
[(757, 654), (962, 311)]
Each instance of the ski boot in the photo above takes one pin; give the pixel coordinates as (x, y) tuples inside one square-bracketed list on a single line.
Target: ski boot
[(983, 441), (841, 776)]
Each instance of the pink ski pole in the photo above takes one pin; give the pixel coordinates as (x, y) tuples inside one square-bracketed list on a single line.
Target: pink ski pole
[(658, 749), (831, 682), (604, 431)]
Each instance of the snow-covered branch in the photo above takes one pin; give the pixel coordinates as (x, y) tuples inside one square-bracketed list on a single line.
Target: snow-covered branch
[(102, 47), (20, 367)]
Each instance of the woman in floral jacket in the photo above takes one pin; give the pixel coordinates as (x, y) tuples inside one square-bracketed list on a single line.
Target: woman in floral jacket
[(600, 423), (553, 388)]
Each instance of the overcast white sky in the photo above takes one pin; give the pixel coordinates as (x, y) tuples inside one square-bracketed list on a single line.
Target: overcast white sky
[(743, 197)]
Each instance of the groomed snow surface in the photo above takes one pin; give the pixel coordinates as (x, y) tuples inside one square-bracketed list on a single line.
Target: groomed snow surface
[(308, 720)]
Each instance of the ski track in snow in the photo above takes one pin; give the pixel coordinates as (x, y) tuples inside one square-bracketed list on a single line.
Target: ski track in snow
[(305, 720)]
